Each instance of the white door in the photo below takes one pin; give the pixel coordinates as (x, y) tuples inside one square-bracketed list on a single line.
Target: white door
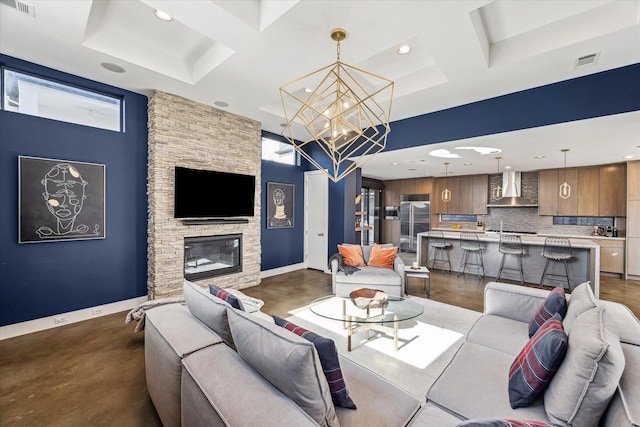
[(316, 209)]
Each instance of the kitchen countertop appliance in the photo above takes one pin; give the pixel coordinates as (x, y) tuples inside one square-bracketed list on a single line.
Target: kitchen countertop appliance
[(606, 231)]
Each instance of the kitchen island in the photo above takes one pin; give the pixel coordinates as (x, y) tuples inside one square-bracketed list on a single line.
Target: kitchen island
[(585, 265)]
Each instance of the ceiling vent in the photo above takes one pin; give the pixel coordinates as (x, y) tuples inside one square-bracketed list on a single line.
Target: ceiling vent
[(20, 6), (587, 60)]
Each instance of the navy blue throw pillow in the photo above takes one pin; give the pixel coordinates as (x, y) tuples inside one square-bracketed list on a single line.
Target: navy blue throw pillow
[(225, 296), (532, 370), (328, 354), (556, 302)]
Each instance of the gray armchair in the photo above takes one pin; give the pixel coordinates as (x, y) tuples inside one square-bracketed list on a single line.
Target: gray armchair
[(384, 279)]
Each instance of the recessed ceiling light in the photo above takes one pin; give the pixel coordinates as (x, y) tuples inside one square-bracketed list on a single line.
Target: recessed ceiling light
[(283, 125), (394, 164), (112, 67), (163, 15), (507, 167), (539, 157), (412, 169), (404, 49), (468, 164), (308, 90), (221, 104), (630, 156)]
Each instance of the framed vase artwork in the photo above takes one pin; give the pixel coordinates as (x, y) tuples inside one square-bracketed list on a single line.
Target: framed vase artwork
[(280, 205), (60, 200)]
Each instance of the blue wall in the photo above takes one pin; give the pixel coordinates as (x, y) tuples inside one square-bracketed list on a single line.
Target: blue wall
[(610, 92), (285, 246), (44, 279), (282, 246)]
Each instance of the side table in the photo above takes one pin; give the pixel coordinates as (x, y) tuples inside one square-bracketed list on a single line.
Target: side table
[(418, 273)]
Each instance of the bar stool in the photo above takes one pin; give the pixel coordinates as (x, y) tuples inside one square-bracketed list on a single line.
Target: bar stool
[(511, 245), (439, 253), (470, 245), (557, 249)]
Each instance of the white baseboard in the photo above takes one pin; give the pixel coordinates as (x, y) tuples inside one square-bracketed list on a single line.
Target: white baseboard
[(281, 270), (62, 319)]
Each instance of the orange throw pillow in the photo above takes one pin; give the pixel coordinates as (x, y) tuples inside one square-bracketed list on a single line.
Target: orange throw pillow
[(382, 257), (352, 255)]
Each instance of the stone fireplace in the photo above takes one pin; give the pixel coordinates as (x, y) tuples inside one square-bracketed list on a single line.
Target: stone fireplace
[(186, 133), (211, 256)]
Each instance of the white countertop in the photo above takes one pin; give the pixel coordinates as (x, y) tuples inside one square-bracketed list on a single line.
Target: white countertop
[(527, 239), (573, 236), (570, 236)]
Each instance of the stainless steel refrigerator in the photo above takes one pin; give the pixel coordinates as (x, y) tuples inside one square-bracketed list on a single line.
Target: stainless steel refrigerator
[(414, 219)]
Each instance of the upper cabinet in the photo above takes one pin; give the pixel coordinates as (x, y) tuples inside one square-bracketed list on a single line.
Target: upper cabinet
[(613, 191), (595, 191), (548, 188), (587, 191), (468, 195)]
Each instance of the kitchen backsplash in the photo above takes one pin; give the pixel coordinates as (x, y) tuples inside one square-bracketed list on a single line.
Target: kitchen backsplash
[(527, 220)]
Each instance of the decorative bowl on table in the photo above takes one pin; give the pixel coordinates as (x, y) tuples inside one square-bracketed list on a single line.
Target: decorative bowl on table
[(369, 298)]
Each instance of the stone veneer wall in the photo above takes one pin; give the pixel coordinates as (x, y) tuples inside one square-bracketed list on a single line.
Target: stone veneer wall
[(186, 133)]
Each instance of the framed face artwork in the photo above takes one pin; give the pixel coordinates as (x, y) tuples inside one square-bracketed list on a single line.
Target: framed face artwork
[(280, 205), (60, 200)]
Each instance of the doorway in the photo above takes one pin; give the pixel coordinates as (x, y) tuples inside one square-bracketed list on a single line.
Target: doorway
[(316, 212), (370, 203)]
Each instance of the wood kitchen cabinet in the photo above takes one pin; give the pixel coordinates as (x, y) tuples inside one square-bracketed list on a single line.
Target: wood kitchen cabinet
[(611, 255), (468, 195), (612, 194), (595, 191), (480, 189), (568, 206), (465, 195), (549, 200), (588, 190), (633, 218), (548, 192)]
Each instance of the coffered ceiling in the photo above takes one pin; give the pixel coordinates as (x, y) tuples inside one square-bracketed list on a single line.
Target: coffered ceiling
[(236, 54)]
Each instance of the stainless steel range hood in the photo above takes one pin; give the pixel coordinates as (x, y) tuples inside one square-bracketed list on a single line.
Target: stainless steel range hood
[(511, 190)]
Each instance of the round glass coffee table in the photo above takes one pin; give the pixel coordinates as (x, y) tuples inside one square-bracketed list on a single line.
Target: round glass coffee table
[(382, 319)]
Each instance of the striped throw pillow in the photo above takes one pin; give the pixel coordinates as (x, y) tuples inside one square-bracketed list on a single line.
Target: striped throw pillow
[(537, 363), (225, 296), (328, 354), (556, 302)]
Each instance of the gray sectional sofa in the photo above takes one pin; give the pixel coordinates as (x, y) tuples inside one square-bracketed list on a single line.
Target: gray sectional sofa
[(593, 386), (384, 279), (210, 364)]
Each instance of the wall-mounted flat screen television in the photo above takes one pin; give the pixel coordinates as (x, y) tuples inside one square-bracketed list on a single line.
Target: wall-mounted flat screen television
[(213, 194)]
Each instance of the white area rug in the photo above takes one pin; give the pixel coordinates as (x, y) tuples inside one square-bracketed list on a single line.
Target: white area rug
[(425, 344)]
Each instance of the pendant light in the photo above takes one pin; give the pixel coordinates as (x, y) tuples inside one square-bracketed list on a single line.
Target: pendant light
[(446, 194), (497, 191), (565, 188)]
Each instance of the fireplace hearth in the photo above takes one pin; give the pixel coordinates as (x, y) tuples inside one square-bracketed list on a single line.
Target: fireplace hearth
[(211, 256)]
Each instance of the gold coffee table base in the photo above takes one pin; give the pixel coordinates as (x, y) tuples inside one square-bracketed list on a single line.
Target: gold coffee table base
[(380, 327)]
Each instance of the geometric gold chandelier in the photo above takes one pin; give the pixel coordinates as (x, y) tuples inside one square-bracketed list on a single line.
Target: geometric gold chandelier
[(345, 112)]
